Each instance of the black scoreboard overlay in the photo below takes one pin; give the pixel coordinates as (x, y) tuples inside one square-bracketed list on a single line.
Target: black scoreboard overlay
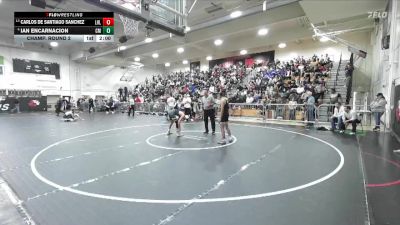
[(64, 26)]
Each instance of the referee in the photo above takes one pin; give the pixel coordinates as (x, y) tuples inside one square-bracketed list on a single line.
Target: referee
[(209, 111)]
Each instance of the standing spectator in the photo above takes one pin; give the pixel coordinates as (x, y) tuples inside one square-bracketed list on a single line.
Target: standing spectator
[(91, 105), (59, 106), (349, 73), (65, 104), (292, 109), (120, 93), (378, 109), (125, 94), (131, 107), (310, 108), (16, 106), (78, 104), (209, 111)]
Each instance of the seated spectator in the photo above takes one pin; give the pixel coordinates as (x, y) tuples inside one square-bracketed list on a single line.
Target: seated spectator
[(349, 117), (249, 99), (335, 116)]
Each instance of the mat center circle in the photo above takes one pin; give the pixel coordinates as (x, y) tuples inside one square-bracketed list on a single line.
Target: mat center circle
[(192, 140)]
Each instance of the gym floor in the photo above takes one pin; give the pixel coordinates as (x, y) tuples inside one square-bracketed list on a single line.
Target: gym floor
[(111, 169)]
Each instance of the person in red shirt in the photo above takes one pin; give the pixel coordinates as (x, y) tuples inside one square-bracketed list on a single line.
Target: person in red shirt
[(137, 99)]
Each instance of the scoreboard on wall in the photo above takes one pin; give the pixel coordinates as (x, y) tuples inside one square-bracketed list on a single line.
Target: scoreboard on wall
[(64, 26)]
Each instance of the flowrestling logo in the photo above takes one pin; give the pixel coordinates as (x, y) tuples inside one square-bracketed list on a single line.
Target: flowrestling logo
[(4, 107), (33, 103)]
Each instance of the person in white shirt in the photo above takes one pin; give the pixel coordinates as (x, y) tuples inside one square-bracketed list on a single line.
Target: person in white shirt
[(171, 103), (349, 117), (187, 104), (378, 107), (249, 99), (131, 107), (336, 115), (292, 109), (70, 115), (212, 89)]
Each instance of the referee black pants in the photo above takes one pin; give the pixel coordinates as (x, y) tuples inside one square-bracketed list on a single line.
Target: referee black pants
[(209, 113)]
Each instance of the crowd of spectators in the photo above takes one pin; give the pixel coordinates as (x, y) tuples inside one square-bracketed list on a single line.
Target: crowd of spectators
[(270, 82)]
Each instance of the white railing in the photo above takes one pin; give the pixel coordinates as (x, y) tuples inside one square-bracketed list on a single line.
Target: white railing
[(301, 113), (286, 113)]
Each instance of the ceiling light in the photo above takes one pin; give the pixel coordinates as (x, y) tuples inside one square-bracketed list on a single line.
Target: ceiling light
[(236, 14), (209, 58), (137, 59), (218, 42), (185, 62), (155, 55), (180, 50), (243, 52), (282, 45), (53, 44), (122, 48), (263, 31), (167, 64), (324, 39), (148, 40)]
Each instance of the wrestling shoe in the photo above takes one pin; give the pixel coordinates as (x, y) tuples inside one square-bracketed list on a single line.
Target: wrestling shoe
[(178, 134), (376, 129), (222, 142)]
